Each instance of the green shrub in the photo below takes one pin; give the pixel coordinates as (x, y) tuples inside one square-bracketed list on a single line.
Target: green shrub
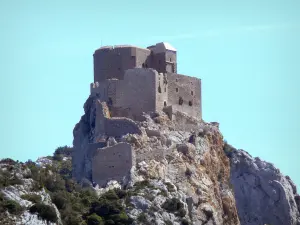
[(7, 179), (12, 207), (142, 184), (59, 200), (142, 218), (34, 198), (72, 219), (94, 219), (58, 157), (64, 151), (121, 193), (45, 212), (54, 183), (174, 205), (121, 218), (110, 195)]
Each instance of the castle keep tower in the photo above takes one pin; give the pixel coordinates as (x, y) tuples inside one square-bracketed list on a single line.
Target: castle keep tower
[(134, 80)]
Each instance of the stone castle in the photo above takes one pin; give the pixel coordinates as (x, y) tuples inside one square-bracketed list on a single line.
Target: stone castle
[(128, 81), (134, 80)]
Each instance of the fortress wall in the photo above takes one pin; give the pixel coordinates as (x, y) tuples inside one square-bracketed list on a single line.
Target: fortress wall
[(117, 127), (162, 92), (142, 57), (188, 88), (137, 92), (158, 62), (106, 90), (112, 163), (112, 62)]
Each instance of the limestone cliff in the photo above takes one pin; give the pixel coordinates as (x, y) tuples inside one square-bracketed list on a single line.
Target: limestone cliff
[(263, 195)]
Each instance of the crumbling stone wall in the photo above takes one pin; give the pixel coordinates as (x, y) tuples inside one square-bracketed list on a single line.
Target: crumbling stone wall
[(105, 90), (112, 163), (117, 127)]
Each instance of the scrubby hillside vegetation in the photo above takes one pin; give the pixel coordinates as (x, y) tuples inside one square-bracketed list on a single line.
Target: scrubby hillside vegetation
[(43, 191)]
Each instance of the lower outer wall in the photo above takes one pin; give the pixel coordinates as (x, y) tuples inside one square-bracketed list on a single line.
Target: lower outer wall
[(112, 163)]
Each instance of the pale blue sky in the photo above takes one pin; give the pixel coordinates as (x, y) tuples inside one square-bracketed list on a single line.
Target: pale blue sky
[(245, 52)]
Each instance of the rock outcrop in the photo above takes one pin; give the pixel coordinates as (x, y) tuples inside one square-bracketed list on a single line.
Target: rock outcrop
[(187, 154), (263, 195), (215, 183)]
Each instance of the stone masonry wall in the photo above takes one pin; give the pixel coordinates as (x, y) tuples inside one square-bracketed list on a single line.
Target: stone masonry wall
[(105, 90), (188, 89), (112, 163), (112, 61), (137, 92), (117, 127), (161, 91)]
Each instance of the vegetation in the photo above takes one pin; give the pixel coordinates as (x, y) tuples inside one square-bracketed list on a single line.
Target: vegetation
[(61, 152), (175, 206), (7, 179), (11, 206), (34, 198), (94, 219), (45, 212), (77, 205)]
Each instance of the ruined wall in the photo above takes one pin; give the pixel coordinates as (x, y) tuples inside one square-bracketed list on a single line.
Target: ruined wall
[(112, 61), (161, 91), (184, 94), (105, 90), (117, 127), (137, 92), (112, 163)]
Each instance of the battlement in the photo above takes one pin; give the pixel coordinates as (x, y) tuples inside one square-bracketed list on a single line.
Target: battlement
[(115, 47)]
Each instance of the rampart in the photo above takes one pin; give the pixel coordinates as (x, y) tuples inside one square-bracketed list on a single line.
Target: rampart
[(112, 163)]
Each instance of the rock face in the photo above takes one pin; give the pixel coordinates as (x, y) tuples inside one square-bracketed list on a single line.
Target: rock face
[(187, 155), (263, 195), (187, 163)]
